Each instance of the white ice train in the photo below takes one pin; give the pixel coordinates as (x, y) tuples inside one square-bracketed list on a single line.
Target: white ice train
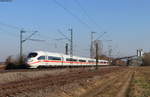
[(37, 59)]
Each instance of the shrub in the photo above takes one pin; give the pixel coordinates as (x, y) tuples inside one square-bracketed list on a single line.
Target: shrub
[(146, 59), (15, 63)]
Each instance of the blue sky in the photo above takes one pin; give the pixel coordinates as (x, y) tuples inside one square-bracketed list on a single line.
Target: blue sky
[(125, 21)]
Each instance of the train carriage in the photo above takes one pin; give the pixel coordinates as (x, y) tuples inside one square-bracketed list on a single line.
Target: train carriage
[(37, 59)]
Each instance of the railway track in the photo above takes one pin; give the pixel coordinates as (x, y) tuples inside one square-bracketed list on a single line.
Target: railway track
[(29, 70), (47, 69), (14, 88)]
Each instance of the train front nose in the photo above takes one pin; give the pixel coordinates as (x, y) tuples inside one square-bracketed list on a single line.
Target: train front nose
[(31, 59), (29, 62)]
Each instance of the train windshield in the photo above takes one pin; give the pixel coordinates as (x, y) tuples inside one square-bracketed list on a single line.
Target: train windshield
[(31, 55)]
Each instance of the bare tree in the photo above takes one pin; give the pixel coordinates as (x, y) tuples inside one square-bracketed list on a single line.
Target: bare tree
[(146, 59)]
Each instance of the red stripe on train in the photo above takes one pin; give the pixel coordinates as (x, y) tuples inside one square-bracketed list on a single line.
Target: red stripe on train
[(65, 62)]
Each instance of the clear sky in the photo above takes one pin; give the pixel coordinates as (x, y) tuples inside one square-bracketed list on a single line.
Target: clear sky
[(127, 23)]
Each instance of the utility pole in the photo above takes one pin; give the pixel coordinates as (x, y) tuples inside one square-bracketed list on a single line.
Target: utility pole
[(109, 54), (91, 49), (96, 56), (66, 47), (21, 48), (24, 40), (71, 42)]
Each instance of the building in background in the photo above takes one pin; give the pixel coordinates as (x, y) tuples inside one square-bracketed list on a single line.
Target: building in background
[(140, 52)]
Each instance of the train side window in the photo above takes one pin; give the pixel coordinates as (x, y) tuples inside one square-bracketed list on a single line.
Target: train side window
[(74, 60), (67, 59), (82, 60), (70, 59), (90, 61), (53, 58), (41, 58)]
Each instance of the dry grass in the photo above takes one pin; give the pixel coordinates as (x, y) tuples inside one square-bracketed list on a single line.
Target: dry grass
[(74, 89), (140, 86), (18, 76)]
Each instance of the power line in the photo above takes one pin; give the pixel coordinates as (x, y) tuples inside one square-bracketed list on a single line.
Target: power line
[(101, 35), (10, 26), (71, 13), (85, 12), (65, 37), (8, 33), (29, 36), (24, 40), (37, 40), (13, 26)]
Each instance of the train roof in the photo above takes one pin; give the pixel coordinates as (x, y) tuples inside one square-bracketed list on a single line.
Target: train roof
[(46, 52), (61, 54)]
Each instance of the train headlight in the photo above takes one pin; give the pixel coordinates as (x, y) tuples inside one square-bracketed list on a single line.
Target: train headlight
[(30, 60)]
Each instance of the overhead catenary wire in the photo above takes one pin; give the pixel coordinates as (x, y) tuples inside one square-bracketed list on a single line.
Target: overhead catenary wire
[(8, 33), (10, 26), (29, 36), (101, 35), (37, 40), (2, 24), (13, 26), (86, 13), (72, 14), (65, 37)]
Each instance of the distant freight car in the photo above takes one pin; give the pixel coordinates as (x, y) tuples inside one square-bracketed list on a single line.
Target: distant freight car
[(37, 59)]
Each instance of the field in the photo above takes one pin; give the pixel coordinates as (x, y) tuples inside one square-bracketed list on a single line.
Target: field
[(140, 85), (81, 82)]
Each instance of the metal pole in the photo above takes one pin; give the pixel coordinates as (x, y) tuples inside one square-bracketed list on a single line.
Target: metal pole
[(91, 49), (66, 52), (96, 56), (109, 53), (21, 46), (24, 40), (71, 43), (91, 45)]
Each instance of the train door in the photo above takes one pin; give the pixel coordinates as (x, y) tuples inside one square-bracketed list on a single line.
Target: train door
[(62, 60), (46, 61)]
